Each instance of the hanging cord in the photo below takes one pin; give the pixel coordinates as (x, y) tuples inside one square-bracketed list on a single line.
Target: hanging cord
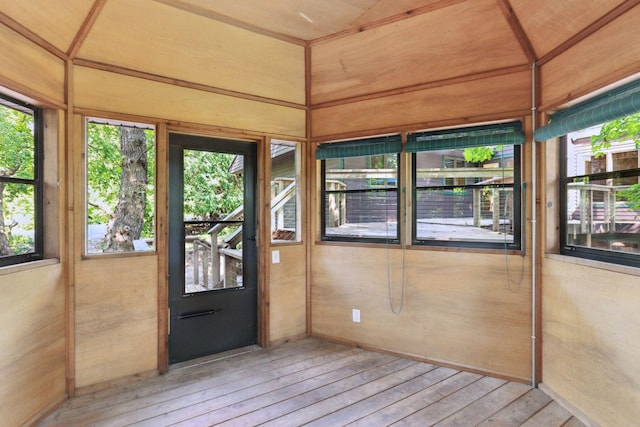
[(510, 281), (389, 286)]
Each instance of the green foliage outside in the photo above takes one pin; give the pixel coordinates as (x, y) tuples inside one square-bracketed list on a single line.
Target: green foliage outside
[(16, 160), (104, 166), (210, 190), (624, 129), (480, 154)]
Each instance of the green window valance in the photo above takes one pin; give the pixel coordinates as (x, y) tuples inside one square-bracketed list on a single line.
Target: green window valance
[(360, 147), (612, 105), (479, 136)]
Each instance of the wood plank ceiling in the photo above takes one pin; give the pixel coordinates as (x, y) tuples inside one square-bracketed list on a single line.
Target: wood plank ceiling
[(541, 27)]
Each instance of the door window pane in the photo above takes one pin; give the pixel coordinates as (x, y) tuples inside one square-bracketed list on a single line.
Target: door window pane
[(213, 216)]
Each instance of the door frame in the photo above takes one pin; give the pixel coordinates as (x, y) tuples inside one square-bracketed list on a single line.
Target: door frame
[(162, 233)]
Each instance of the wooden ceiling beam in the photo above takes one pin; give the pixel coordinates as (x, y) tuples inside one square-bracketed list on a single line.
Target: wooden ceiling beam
[(518, 31), (206, 13), (85, 28), (586, 32), (31, 36), (391, 19)]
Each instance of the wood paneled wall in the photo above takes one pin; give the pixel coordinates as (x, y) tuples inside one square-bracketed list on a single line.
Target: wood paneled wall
[(288, 293), (590, 318), (591, 325), (32, 307), (116, 318), (459, 308), (32, 342)]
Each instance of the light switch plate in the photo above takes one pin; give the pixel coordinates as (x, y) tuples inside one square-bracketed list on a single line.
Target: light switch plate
[(275, 257)]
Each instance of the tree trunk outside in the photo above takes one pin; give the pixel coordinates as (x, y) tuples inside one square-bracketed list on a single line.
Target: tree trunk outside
[(5, 249), (128, 220)]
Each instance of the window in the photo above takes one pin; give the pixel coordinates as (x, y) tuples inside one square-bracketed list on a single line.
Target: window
[(360, 189), (600, 193), (466, 186), (21, 176), (120, 187), (599, 175), (285, 164)]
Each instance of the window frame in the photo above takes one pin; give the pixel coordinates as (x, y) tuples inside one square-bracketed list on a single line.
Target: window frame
[(297, 156), (323, 207), (612, 257), (127, 123), (37, 182), (517, 210)]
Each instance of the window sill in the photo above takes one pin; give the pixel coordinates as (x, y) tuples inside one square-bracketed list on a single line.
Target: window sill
[(25, 266), (465, 249), (286, 242), (615, 268)]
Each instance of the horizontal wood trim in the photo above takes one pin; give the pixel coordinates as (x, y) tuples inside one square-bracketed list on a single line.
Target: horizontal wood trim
[(206, 130), (12, 269), (389, 20), (581, 415), (419, 358), (181, 83), (418, 126), (423, 86), (27, 94), (31, 36), (587, 66), (227, 20), (37, 418), (110, 115), (288, 340), (420, 248), (577, 38), (111, 92), (117, 382)]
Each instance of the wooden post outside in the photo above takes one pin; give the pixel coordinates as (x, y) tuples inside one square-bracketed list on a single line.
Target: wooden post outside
[(477, 207)]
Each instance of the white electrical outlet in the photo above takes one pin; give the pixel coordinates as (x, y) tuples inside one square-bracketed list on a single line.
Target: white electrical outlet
[(275, 257), (356, 315)]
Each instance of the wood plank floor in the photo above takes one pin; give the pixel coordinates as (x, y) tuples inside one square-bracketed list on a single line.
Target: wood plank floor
[(312, 382)]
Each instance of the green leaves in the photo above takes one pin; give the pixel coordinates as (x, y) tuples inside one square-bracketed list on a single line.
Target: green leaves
[(16, 143), (479, 154), (210, 190), (624, 129), (104, 169)]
